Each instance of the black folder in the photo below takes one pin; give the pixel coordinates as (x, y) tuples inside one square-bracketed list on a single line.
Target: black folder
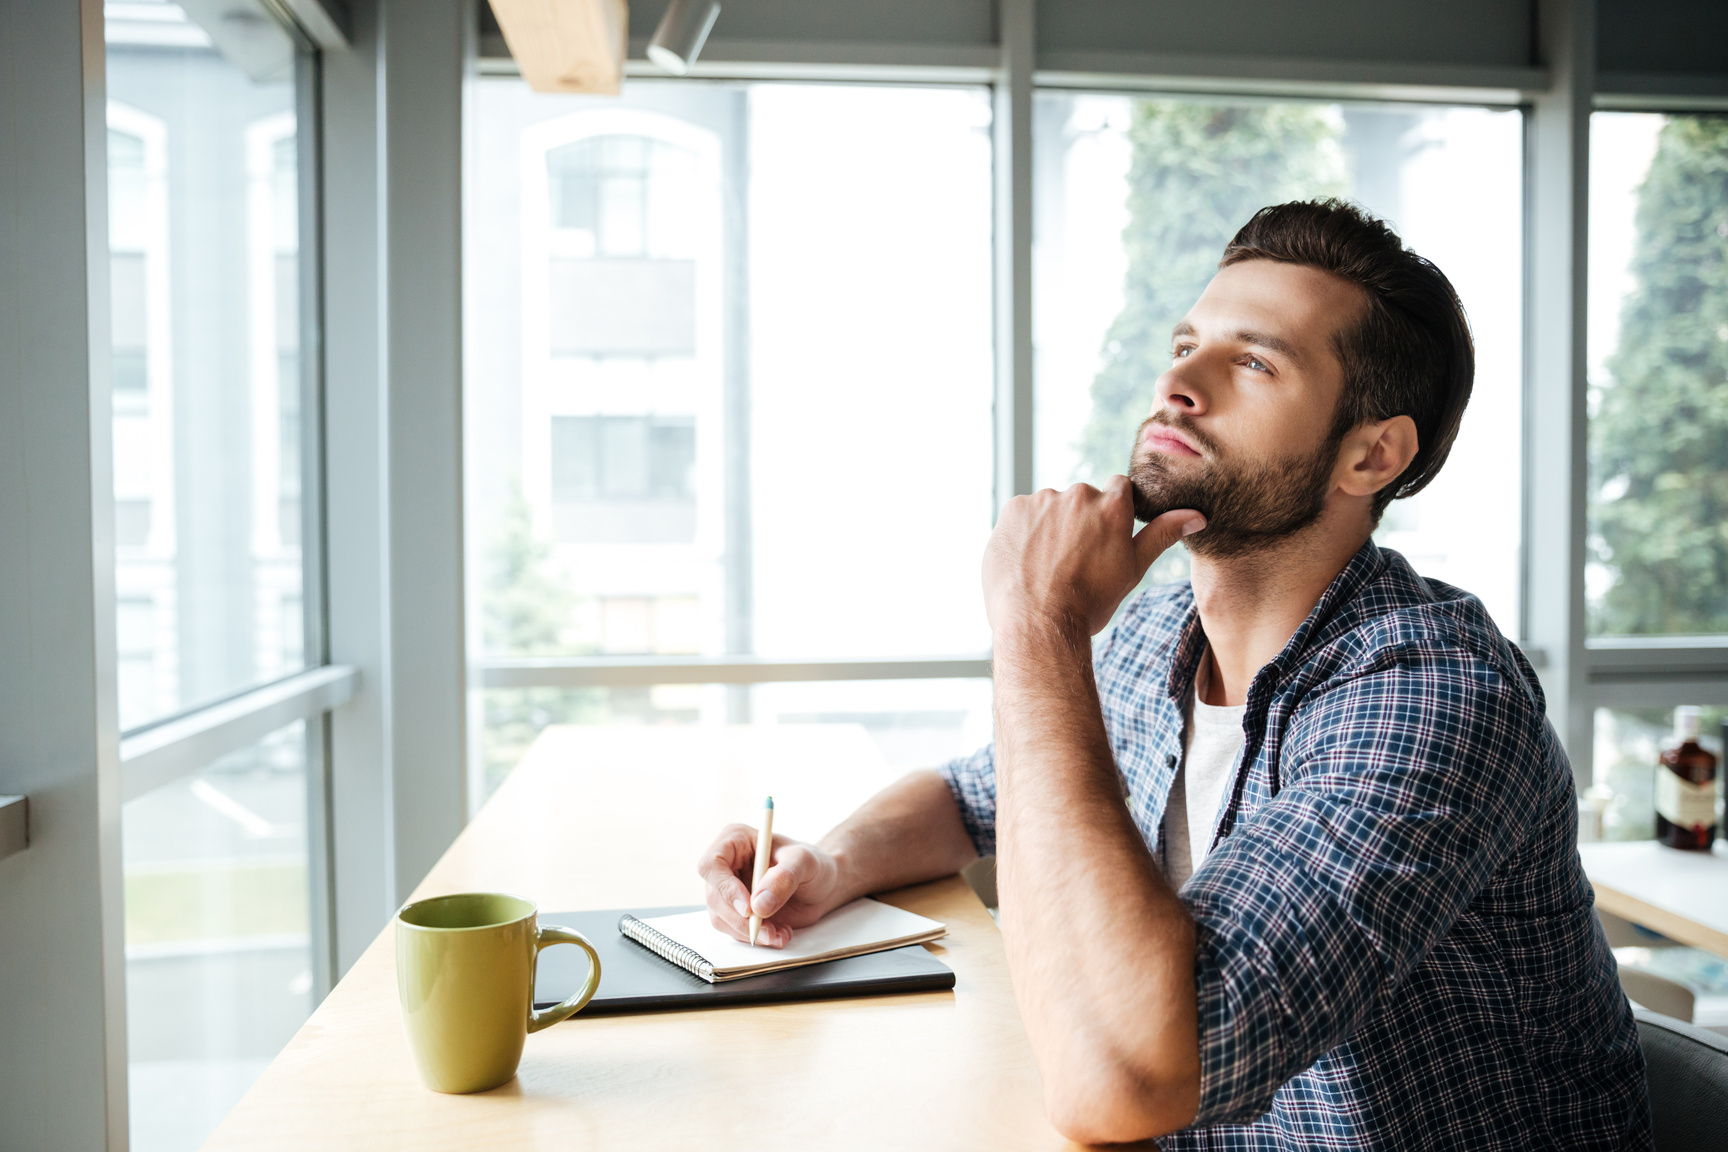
[(633, 979)]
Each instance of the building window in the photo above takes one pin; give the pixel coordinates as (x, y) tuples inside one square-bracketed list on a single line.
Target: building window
[(624, 479)]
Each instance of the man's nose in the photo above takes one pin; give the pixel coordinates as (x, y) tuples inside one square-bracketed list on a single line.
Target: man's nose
[(1181, 390)]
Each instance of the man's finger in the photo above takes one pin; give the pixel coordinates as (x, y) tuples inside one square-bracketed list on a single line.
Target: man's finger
[(774, 934), (720, 864), (727, 891), (729, 852), (792, 866), (1151, 541)]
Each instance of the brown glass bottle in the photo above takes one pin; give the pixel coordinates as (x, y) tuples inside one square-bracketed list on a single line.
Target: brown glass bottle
[(1686, 788)]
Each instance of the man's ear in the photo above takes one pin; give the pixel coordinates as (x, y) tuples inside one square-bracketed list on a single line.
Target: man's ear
[(1375, 454)]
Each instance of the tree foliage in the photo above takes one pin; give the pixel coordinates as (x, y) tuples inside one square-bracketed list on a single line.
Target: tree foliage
[(528, 606), (1659, 436), (528, 609)]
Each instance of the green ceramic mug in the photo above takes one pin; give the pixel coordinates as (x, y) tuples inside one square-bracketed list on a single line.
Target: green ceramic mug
[(465, 969)]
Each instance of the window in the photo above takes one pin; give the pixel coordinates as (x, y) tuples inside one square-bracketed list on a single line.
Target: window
[(1658, 322), (204, 232), (730, 390), (624, 479), (1136, 198), (218, 936), (204, 229)]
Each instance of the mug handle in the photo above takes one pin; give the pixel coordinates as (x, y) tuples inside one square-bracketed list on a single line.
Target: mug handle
[(548, 935)]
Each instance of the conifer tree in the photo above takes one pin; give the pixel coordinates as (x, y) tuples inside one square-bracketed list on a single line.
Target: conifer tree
[(528, 609), (1659, 432)]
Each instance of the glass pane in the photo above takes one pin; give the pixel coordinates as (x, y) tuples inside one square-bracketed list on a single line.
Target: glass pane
[(1658, 311), (730, 369), (1136, 198), (1624, 766), (218, 941), (905, 724), (203, 229)]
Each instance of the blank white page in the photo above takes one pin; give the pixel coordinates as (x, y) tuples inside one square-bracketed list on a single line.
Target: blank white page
[(864, 925)]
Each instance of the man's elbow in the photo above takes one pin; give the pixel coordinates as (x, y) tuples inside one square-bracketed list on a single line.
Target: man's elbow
[(1116, 1106)]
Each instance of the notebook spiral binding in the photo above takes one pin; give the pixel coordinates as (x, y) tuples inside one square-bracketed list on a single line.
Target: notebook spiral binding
[(666, 948)]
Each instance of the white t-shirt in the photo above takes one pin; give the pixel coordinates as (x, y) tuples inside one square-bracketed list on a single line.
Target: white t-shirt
[(1211, 741)]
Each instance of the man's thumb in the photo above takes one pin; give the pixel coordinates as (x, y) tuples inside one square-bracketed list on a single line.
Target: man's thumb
[(1151, 541)]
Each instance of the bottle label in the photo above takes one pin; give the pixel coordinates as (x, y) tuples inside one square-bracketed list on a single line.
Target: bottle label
[(1684, 803)]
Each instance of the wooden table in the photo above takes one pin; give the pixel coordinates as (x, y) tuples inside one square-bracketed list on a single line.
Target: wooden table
[(1683, 895), (608, 818)]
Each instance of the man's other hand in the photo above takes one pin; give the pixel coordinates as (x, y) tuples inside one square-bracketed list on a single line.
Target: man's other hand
[(1068, 558), (800, 887)]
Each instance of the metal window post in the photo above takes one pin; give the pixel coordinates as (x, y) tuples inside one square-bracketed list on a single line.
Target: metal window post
[(62, 1001), (424, 62), (1557, 192), (356, 561), (1012, 130), (392, 272)]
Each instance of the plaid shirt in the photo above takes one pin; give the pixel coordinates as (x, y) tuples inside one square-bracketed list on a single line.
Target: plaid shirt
[(1396, 941)]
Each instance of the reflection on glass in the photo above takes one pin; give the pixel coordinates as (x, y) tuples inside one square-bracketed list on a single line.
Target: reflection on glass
[(909, 723), (218, 945), (730, 371), (203, 231), (1658, 308), (1135, 201), (1624, 766)]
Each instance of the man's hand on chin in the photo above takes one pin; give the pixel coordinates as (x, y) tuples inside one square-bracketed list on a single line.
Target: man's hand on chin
[(1066, 559)]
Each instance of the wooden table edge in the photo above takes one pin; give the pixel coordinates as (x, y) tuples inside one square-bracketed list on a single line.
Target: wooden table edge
[(1655, 917)]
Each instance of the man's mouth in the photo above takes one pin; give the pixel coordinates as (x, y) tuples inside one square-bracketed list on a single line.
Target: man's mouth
[(1159, 439)]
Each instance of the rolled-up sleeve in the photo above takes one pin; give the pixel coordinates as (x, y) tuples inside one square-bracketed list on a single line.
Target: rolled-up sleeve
[(1405, 783), (972, 779)]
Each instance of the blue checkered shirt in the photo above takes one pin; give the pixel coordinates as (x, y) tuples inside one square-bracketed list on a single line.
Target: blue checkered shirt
[(1396, 946)]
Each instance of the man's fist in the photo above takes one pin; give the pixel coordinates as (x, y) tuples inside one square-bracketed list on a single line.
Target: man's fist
[(1068, 558), (798, 889)]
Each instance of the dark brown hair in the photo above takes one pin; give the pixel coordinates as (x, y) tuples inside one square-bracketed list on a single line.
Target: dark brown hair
[(1409, 355)]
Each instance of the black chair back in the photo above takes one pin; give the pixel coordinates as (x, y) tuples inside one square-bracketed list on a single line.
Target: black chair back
[(1687, 1069)]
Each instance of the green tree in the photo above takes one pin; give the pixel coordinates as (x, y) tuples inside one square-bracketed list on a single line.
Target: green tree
[(527, 611), (1659, 435), (1197, 172), (528, 607)]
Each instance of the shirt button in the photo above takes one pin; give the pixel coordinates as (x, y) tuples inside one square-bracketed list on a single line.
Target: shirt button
[(1170, 760)]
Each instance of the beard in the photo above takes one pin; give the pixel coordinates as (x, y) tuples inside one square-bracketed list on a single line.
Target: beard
[(1247, 506)]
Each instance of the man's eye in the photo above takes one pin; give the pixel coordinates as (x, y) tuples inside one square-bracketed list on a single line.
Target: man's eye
[(1179, 353), (1257, 364)]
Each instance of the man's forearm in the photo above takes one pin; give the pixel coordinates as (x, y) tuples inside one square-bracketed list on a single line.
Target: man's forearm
[(1100, 949), (907, 833)]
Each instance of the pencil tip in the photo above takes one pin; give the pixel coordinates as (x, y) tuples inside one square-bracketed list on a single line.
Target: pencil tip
[(768, 803)]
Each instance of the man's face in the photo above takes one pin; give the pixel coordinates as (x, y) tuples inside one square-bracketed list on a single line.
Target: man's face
[(1241, 426)]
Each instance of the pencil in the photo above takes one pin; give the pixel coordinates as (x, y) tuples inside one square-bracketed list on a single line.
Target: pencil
[(764, 848)]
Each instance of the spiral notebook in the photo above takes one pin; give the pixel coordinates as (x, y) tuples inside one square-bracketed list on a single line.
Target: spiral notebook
[(695, 945), (633, 979)]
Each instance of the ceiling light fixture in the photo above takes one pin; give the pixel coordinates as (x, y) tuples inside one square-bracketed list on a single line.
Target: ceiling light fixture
[(682, 32)]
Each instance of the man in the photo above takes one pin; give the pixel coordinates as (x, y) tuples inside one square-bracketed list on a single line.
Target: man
[(1288, 859)]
